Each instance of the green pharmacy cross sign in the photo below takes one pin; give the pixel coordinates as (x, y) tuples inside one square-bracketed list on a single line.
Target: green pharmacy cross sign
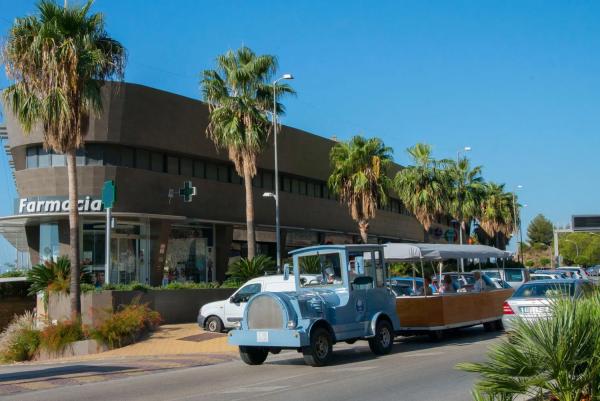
[(187, 192)]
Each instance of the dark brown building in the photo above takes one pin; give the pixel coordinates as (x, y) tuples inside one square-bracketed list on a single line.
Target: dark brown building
[(150, 143)]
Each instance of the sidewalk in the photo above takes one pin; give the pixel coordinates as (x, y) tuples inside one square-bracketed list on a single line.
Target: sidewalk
[(173, 346), (175, 339)]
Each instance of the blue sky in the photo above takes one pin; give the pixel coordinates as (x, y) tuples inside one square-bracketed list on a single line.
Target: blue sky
[(518, 81)]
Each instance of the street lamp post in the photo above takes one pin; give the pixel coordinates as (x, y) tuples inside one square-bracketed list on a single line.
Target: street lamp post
[(460, 223), (576, 246), (276, 195), (517, 226)]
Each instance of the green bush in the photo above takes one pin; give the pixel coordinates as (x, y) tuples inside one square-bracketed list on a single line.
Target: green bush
[(126, 325), (14, 273), (20, 341), (188, 286), (530, 263), (545, 262), (558, 356), (310, 264), (246, 269), (231, 283), (53, 276), (55, 338)]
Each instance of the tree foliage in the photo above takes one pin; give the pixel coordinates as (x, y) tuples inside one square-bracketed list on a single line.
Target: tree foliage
[(540, 230), (58, 61), (244, 269), (240, 96), (556, 355), (423, 187), (497, 212), (359, 177)]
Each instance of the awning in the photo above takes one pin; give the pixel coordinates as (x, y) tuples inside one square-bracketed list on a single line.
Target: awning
[(428, 252)]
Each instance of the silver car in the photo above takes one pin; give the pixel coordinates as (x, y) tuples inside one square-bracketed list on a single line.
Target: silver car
[(532, 300)]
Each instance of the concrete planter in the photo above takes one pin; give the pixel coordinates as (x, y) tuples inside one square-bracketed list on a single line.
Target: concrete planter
[(174, 306), (78, 348)]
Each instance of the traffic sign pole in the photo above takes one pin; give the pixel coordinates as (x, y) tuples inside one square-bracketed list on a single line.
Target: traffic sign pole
[(107, 256), (108, 199)]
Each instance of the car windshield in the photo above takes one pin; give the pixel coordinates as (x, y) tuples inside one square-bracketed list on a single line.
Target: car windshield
[(545, 290), (325, 268), (492, 274)]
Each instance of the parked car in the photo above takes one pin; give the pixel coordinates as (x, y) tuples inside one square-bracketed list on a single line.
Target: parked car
[(593, 271), (532, 300), (403, 286), (226, 314), (464, 282), (514, 276), (546, 276), (574, 272)]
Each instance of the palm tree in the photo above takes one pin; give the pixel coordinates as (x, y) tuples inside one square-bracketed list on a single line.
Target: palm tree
[(497, 211), (466, 191), (359, 177), (424, 186), (59, 60), (239, 98)]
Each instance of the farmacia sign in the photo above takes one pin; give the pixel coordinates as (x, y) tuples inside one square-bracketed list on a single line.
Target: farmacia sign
[(56, 205)]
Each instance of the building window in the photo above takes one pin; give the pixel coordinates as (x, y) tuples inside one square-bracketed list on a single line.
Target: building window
[(199, 169), (223, 173), (111, 156), (80, 157), (185, 165), (58, 160), (268, 180), (32, 157), (172, 165), (127, 157), (142, 159), (93, 155), (49, 244), (43, 158), (211, 172), (93, 246), (158, 161), (286, 184)]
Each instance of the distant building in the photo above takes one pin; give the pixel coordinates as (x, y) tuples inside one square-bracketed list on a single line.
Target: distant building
[(150, 142)]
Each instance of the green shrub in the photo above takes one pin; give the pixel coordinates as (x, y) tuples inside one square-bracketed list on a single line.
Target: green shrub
[(545, 262), (20, 340), (245, 269), (232, 283), (558, 355), (530, 263), (14, 273), (53, 276), (55, 338), (126, 325), (188, 285)]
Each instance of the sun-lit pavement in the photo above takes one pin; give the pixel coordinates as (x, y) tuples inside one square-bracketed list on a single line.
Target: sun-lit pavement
[(417, 369), (170, 347)]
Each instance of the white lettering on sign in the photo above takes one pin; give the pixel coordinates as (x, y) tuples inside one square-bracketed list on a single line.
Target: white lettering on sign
[(58, 206)]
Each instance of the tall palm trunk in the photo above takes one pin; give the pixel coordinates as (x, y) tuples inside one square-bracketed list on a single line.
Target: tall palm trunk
[(363, 227), (249, 212), (74, 235)]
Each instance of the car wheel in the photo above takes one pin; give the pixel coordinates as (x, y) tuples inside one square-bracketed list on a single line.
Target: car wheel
[(351, 341), (498, 325), (318, 353), (383, 341), (214, 324), (253, 355)]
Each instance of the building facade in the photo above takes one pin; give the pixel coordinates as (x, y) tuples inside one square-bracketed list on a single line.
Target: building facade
[(151, 143)]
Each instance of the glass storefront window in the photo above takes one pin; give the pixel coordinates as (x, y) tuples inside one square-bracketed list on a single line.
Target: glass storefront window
[(128, 252), (49, 245), (189, 255)]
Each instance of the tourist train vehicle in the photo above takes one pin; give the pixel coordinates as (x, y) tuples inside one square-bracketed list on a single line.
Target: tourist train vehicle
[(351, 299)]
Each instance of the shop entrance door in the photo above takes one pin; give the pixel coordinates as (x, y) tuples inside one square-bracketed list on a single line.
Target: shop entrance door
[(125, 259)]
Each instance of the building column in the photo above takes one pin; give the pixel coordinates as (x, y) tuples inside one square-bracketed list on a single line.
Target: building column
[(159, 238), (223, 239)]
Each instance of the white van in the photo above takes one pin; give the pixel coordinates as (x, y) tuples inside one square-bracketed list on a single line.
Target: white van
[(219, 315), (514, 276)]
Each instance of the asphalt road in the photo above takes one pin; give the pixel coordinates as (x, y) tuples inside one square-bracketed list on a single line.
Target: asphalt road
[(416, 370)]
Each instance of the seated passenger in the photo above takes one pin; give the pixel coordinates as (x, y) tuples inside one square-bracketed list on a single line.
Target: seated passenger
[(479, 283), (427, 288), (448, 285)]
